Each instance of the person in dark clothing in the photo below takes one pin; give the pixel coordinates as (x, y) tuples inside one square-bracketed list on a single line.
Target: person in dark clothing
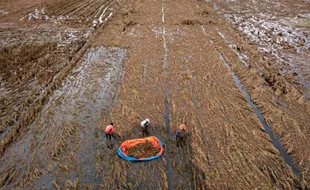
[(144, 127), (180, 137)]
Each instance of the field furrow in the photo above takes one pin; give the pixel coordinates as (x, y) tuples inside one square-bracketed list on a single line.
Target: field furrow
[(233, 71)]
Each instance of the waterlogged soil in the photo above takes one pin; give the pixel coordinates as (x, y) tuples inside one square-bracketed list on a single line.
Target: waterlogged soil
[(27, 70), (62, 142), (282, 37), (163, 60), (281, 31), (38, 40), (174, 74)]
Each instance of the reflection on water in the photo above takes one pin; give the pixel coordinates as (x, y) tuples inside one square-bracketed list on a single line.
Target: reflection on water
[(276, 141), (70, 117), (279, 28)]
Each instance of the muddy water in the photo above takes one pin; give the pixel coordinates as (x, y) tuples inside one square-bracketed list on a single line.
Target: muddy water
[(282, 33), (69, 121), (167, 106), (241, 57), (289, 45), (276, 141), (88, 90), (37, 40)]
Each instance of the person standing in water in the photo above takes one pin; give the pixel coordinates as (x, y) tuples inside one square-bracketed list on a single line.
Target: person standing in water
[(180, 135), (144, 127), (109, 131)]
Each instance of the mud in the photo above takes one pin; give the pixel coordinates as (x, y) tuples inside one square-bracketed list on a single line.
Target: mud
[(70, 120), (285, 88), (276, 142), (28, 70), (282, 34), (158, 60), (33, 52), (184, 62)]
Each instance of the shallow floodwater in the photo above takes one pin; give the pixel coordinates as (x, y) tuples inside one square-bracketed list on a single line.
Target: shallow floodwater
[(280, 29), (70, 120), (276, 141)]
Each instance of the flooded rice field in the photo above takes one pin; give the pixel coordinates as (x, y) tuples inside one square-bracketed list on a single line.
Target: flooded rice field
[(276, 142), (70, 120), (235, 72), (36, 51), (279, 29)]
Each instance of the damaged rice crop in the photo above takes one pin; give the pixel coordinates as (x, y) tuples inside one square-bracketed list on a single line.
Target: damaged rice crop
[(143, 150)]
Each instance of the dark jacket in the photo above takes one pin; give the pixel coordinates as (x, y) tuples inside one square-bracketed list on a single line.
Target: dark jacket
[(180, 133)]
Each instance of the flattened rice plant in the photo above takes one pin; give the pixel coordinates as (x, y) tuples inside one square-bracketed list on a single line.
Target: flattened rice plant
[(143, 150)]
